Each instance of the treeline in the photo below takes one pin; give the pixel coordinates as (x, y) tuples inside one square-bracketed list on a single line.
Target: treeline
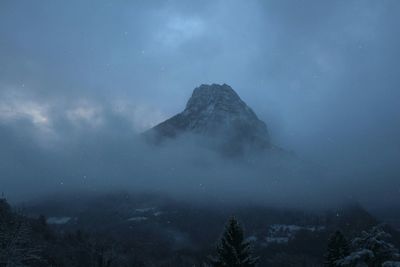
[(26, 241), (372, 248)]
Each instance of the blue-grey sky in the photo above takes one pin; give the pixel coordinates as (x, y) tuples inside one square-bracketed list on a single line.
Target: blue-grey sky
[(323, 75)]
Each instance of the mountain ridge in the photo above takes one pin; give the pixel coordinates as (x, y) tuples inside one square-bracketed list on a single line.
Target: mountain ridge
[(216, 112)]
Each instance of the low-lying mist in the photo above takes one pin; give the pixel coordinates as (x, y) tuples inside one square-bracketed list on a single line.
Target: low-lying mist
[(324, 77), (186, 168)]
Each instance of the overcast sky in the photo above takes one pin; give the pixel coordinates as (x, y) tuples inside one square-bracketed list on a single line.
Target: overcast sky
[(323, 75)]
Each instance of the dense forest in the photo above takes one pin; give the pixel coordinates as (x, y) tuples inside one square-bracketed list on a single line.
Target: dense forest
[(353, 239)]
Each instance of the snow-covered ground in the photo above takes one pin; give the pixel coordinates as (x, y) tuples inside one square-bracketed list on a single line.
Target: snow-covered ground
[(282, 233), (137, 219), (143, 214), (58, 220)]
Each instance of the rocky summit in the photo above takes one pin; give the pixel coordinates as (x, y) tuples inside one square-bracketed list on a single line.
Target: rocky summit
[(216, 112)]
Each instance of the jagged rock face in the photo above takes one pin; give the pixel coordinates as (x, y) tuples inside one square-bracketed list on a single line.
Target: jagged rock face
[(216, 112)]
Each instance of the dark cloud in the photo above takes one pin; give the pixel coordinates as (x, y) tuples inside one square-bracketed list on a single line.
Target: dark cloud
[(323, 75)]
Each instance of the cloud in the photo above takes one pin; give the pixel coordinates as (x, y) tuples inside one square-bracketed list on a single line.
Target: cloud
[(87, 113), (324, 76), (142, 116), (15, 106), (32, 111), (178, 30)]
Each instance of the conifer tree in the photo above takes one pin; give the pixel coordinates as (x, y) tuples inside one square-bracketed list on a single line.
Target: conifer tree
[(372, 249), (338, 248), (233, 250)]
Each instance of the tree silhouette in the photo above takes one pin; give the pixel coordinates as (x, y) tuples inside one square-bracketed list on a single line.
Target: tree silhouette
[(338, 248), (372, 249), (233, 250)]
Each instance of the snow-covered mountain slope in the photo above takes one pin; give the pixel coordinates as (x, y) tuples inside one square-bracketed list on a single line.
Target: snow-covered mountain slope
[(216, 112)]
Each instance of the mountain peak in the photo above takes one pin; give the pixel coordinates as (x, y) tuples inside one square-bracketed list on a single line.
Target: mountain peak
[(216, 111), (215, 95), (214, 91)]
